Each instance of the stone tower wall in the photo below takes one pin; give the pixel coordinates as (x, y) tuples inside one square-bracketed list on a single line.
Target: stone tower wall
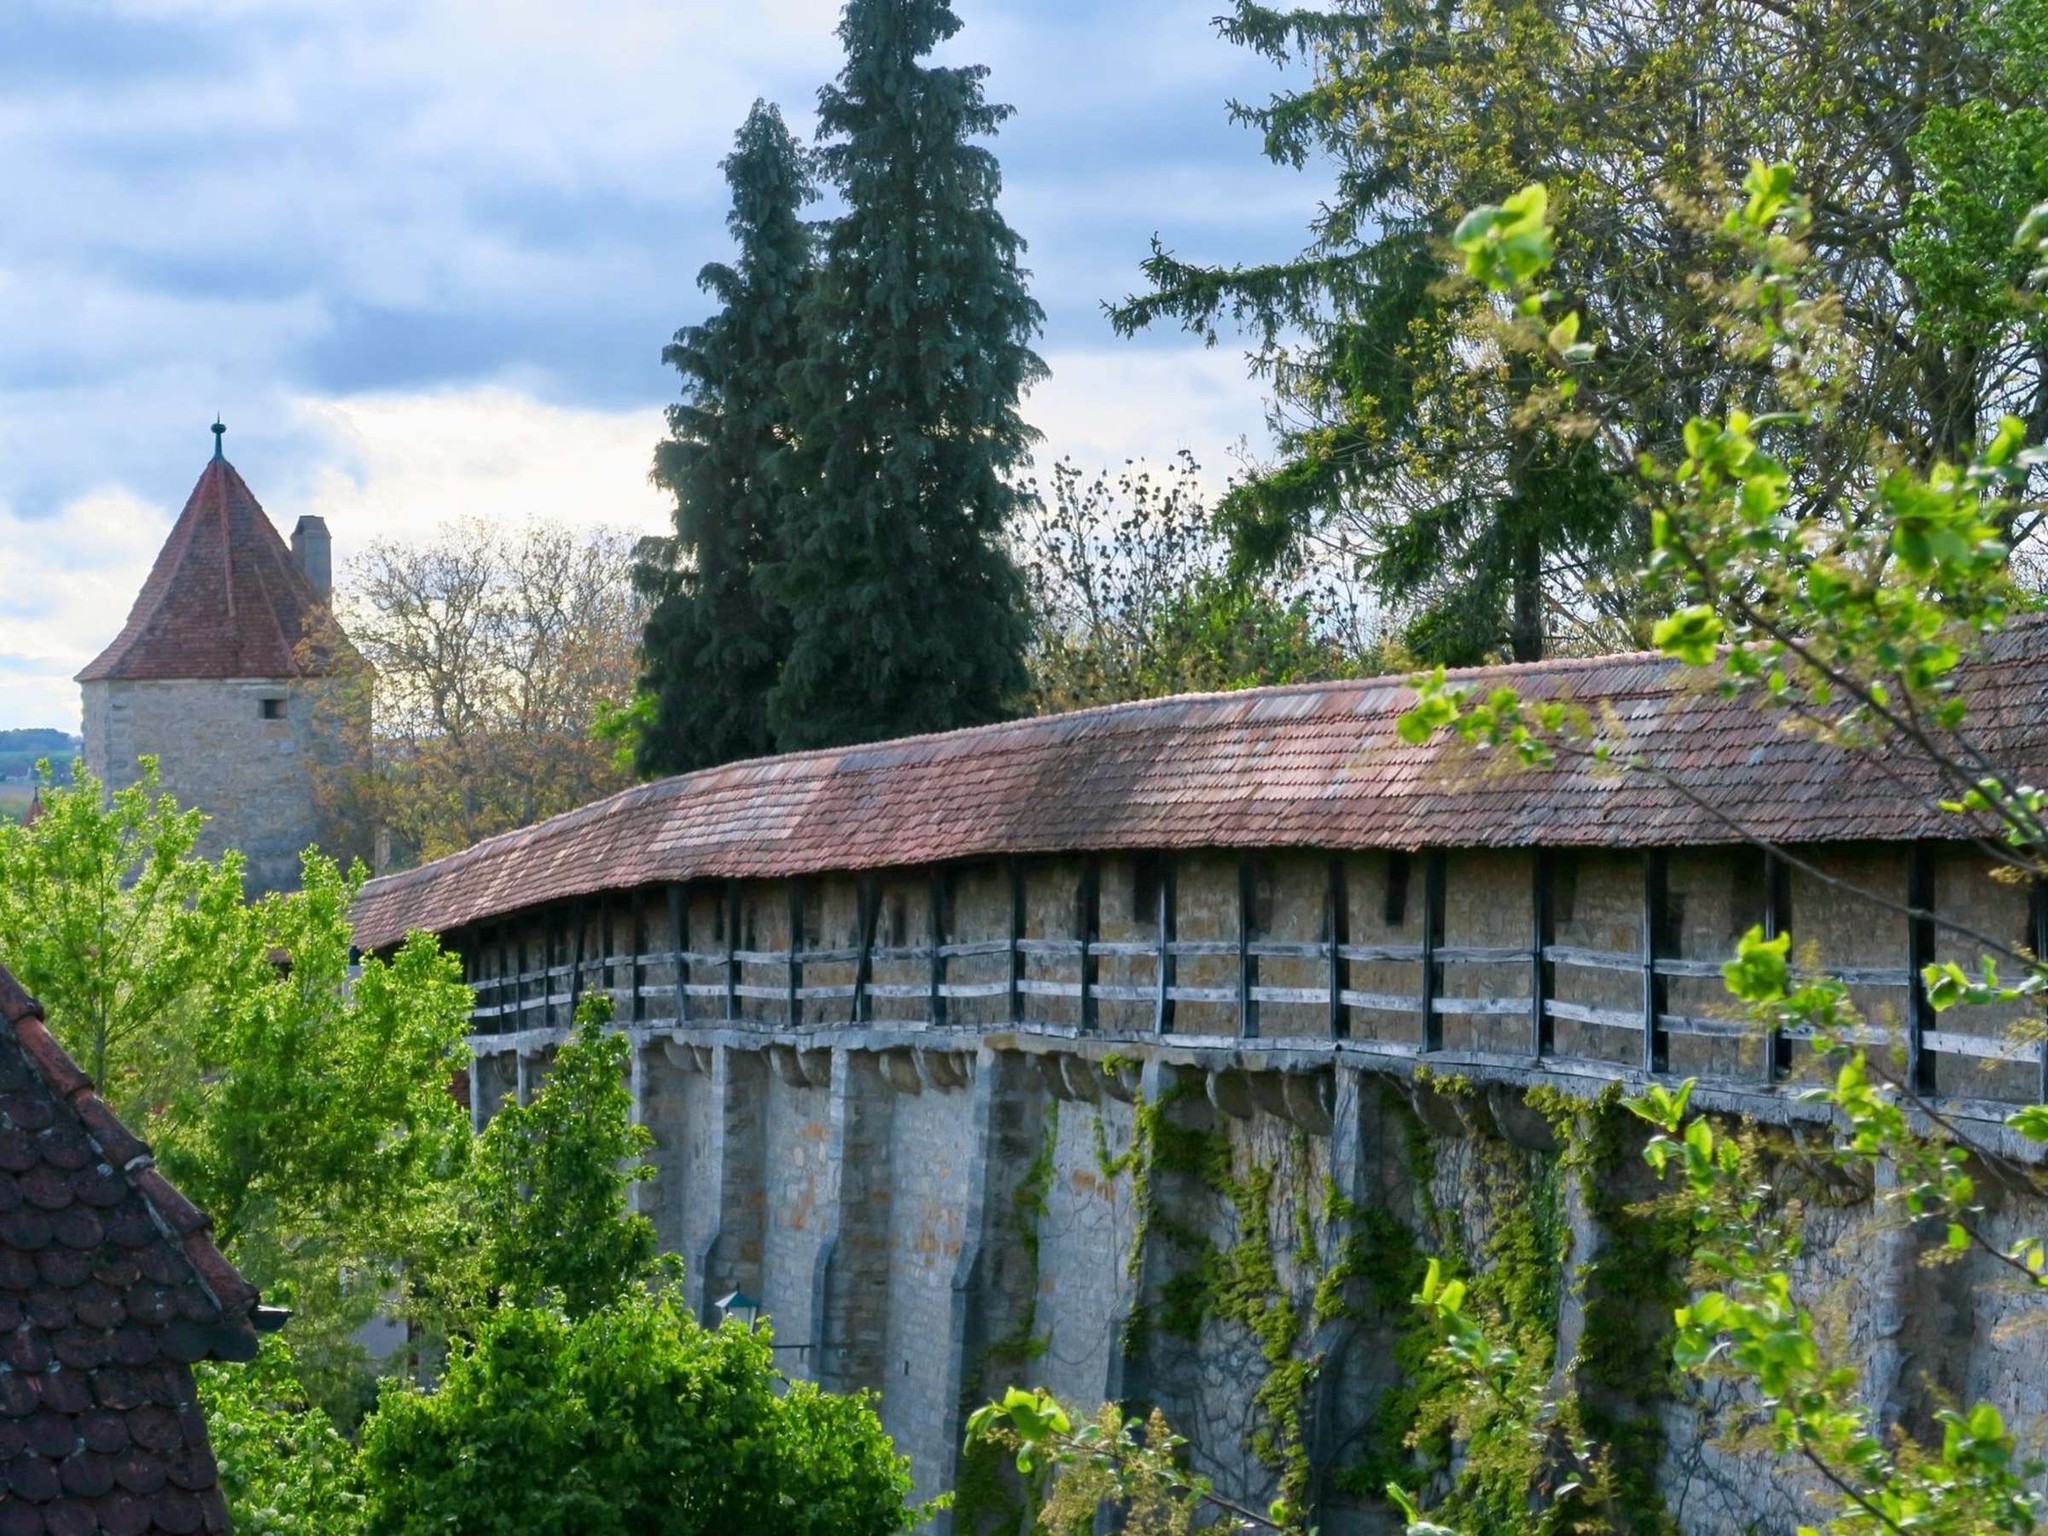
[(254, 777)]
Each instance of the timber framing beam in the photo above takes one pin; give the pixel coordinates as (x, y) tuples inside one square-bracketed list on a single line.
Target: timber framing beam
[(1920, 1020), (1656, 905), (1434, 865), (1166, 916), (1777, 922), (1023, 943), (1336, 935)]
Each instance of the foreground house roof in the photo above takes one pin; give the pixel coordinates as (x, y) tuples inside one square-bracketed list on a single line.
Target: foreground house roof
[(1311, 766), (110, 1290), (226, 597)]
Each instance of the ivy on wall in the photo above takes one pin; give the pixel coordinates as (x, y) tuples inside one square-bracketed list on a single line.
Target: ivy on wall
[(1519, 1461)]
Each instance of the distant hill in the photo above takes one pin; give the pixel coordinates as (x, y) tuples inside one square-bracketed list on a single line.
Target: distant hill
[(19, 750)]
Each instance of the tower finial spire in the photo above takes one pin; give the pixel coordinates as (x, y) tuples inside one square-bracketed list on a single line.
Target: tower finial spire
[(219, 432)]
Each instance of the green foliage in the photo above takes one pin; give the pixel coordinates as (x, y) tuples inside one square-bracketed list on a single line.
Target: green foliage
[(630, 1421), (1851, 612), (320, 1090), (1239, 1285), (314, 1122), (907, 612), (285, 1468), (1750, 1326), (1072, 1475), (110, 918), (1415, 414), (715, 641), (1628, 1294), (552, 1176), (308, 1113)]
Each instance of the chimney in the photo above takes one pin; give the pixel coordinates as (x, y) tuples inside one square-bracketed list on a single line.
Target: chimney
[(314, 546)]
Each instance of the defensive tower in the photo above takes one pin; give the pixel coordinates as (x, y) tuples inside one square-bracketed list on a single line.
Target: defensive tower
[(224, 674)]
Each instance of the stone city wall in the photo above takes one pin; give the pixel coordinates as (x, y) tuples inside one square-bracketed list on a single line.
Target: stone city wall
[(1173, 1131)]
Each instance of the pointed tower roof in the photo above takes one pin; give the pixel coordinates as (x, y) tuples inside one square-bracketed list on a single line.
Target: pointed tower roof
[(225, 599)]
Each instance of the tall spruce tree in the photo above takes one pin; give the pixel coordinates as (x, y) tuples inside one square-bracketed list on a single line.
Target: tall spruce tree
[(715, 639), (906, 611)]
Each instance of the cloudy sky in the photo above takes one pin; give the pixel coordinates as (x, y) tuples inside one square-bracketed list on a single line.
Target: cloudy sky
[(422, 255)]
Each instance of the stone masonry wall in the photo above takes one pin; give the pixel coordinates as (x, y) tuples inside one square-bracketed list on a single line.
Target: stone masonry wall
[(1230, 1225), (216, 751)]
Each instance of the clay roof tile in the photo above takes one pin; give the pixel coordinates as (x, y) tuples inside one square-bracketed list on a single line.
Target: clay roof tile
[(226, 598)]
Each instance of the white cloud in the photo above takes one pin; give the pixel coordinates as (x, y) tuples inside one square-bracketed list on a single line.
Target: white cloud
[(398, 466), (395, 468), (69, 586)]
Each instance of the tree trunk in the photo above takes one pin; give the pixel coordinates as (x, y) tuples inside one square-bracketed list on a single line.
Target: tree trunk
[(1525, 630)]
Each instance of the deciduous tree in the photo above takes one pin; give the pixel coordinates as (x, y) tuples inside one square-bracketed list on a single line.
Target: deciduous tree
[(552, 1176), (497, 654), (629, 1421), (124, 932), (1408, 427), (1133, 597)]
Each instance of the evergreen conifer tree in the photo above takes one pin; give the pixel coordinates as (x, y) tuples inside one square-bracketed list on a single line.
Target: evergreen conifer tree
[(714, 639), (906, 611)]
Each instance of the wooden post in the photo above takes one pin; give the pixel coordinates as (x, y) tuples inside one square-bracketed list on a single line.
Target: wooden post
[(1247, 962), (935, 905), (638, 928), (679, 941), (1336, 934), (1656, 892), (795, 1005), (2037, 928), (607, 946), (1090, 924), (574, 955), (869, 903), (1017, 914), (1167, 918), (1919, 955), (732, 940), (1542, 979), (1777, 920), (1433, 879)]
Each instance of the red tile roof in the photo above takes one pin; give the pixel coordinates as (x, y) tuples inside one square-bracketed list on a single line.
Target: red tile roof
[(110, 1289), (1317, 766), (226, 598)]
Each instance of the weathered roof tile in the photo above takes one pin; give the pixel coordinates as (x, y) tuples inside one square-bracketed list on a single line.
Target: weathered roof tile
[(109, 1290), (1310, 766), (226, 598)]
